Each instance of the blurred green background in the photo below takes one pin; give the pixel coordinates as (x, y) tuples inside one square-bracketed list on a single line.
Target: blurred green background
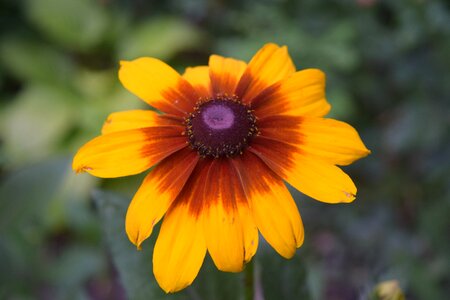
[(387, 65)]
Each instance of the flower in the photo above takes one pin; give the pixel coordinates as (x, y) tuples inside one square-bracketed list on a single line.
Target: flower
[(228, 135), (388, 290)]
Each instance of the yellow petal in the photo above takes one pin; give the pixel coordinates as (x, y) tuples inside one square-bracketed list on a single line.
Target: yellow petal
[(161, 186), (302, 94), (198, 77), (230, 233), (128, 152), (274, 210), (316, 178), (328, 140), (269, 65), (224, 237), (159, 85), (331, 140), (250, 231), (179, 249), (133, 119), (225, 74), (321, 180)]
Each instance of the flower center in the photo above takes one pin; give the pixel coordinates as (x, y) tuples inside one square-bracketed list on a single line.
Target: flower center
[(221, 126)]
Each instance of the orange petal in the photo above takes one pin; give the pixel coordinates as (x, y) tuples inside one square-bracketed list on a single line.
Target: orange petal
[(193, 192), (128, 152), (214, 195), (329, 140), (313, 177), (198, 77), (133, 119), (282, 128), (225, 74), (269, 65), (159, 85), (161, 186), (179, 250), (302, 94), (230, 234), (274, 210)]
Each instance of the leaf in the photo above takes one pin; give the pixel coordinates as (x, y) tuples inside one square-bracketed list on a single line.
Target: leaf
[(161, 37), (281, 278), (214, 284), (35, 122), (76, 24), (84, 262), (26, 194), (30, 253), (135, 267), (31, 60)]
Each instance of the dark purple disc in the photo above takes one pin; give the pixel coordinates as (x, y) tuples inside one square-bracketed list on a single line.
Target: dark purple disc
[(220, 127)]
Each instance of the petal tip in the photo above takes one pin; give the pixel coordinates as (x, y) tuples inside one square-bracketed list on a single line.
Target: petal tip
[(214, 56), (136, 242), (172, 290), (136, 238), (123, 63), (171, 285), (326, 107), (106, 125), (80, 168), (299, 241), (271, 45), (349, 197), (232, 267), (290, 254)]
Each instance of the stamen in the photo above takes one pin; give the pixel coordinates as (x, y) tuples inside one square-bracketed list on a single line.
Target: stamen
[(220, 126)]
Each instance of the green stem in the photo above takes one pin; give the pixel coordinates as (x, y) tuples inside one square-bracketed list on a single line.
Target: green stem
[(249, 281)]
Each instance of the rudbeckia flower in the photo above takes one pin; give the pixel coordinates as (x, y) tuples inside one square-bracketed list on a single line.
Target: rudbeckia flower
[(228, 137)]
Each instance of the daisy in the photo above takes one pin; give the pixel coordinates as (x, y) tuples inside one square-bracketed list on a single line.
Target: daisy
[(228, 136)]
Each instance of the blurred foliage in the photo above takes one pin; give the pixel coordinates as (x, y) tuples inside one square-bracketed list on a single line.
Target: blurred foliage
[(387, 72)]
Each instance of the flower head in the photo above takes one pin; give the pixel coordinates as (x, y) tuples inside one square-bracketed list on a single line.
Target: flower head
[(229, 135)]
